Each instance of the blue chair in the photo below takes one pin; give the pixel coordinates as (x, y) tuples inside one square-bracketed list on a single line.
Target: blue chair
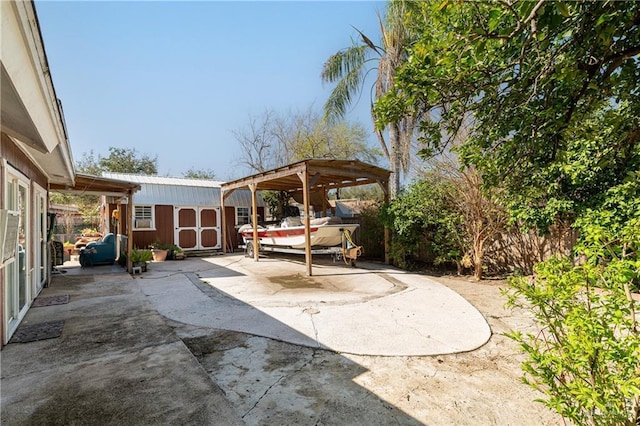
[(97, 252)]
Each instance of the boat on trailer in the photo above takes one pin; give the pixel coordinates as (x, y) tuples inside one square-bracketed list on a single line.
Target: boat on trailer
[(290, 233)]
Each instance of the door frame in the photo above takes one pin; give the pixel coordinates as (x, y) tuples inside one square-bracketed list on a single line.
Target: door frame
[(39, 241), (198, 228), (12, 312)]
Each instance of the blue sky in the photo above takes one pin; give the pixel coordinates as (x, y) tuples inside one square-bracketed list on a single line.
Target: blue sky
[(175, 79)]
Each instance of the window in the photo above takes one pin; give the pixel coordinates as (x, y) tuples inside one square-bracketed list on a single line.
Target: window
[(143, 217), (242, 215)]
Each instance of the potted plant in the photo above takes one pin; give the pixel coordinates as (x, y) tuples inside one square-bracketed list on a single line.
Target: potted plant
[(159, 251), (140, 258), (178, 253)]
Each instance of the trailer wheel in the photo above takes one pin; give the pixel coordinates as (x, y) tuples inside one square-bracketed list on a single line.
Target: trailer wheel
[(249, 249)]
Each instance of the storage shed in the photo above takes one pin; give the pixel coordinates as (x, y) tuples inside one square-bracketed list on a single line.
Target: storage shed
[(180, 211)]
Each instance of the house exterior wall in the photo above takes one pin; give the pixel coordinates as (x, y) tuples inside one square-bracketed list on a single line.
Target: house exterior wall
[(18, 160), (34, 152)]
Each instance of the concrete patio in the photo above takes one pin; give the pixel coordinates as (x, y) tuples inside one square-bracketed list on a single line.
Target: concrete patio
[(118, 359)]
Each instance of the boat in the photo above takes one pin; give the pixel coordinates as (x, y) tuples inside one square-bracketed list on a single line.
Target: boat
[(290, 233)]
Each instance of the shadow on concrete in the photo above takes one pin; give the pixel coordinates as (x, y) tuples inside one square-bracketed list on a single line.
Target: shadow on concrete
[(272, 382), (119, 361)]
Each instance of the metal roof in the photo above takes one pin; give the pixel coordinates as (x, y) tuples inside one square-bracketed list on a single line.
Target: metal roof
[(96, 185), (163, 180), (158, 190)]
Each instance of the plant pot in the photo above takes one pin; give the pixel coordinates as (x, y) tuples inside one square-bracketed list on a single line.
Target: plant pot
[(159, 255)]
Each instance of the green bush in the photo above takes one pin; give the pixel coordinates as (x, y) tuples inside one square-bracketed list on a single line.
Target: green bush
[(586, 357), (141, 255), (422, 221)]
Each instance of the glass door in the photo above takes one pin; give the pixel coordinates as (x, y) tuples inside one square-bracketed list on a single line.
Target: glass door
[(17, 285), (40, 239)]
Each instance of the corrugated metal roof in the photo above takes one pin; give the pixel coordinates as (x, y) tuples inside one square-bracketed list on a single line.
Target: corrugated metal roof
[(182, 192), (163, 180)]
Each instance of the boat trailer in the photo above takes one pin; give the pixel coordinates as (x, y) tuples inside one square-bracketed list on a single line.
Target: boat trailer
[(347, 251)]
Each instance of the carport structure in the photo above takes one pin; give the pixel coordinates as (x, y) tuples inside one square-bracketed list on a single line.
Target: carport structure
[(96, 185), (317, 176)]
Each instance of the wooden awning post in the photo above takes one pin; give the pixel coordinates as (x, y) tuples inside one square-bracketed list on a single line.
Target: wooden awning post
[(254, 219), (324, 201), (387, 235), (223, 222), (129, 231), (307, 221)]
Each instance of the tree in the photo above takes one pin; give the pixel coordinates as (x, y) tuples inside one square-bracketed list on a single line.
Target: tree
[(552, 87), (423, 219), (274, 140), (261, 149), (448, 209), (482, 217), (349, 67), (361, 192), (119, 160), (200, 174), (585, 358)]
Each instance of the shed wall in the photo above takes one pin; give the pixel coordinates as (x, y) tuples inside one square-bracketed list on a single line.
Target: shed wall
[(165, 226)]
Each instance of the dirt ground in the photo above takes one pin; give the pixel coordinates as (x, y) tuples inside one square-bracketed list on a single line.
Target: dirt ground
[(273, 383)]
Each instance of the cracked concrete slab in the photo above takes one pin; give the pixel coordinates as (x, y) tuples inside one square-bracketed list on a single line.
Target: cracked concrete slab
[(369, 310), (116, 362), (119, 361)]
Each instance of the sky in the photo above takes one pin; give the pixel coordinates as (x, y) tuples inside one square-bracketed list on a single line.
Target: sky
[(176, 79)]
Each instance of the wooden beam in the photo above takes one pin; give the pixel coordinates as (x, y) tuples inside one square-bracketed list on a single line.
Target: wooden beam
[(254, 219), (384, 185), (349, 173), (387, 234), (314, 180), (265, 177), (223, 222), (226, 193), (307, 221), (324, 202), (129, 231)]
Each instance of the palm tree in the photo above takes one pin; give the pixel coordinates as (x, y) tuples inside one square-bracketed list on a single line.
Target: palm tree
[(349, 67)]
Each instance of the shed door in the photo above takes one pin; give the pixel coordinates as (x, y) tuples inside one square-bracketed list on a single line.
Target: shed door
[(197, 228)]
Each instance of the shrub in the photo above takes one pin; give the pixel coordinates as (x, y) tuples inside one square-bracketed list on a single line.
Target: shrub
[(586, 358)]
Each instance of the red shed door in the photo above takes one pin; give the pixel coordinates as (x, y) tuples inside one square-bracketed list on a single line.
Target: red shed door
[(197, 228)]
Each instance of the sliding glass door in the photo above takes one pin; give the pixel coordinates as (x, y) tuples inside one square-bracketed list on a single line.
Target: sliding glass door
[(16, 278)]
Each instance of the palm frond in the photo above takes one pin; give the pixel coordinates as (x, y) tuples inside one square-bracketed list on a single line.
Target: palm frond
[(347, 68), (343, 62), (369, 43), (342, 95)]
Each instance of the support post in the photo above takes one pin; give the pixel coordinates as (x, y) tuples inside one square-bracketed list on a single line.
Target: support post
[(387, 234), (254, 219), (129, 231), (324, 201), (307, 221), (223, 222)]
